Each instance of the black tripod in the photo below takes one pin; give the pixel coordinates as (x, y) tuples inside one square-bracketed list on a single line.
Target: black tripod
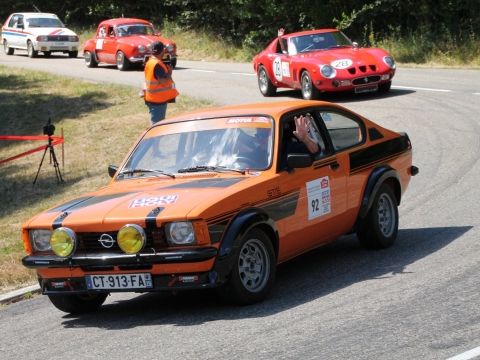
[(53, 159)]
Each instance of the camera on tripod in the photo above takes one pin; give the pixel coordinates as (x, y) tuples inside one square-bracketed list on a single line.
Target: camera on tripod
[(49, 128)]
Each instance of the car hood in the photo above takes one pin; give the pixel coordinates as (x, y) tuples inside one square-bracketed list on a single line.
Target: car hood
[(132, 201), (49, 31), (359, 55)]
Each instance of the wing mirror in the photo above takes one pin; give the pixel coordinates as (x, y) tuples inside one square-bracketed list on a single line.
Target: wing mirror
[(112, 170), (355, 45), (299, 160)]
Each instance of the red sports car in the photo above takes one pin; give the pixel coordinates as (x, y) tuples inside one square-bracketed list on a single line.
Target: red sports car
[(322, 60), (124, 42)]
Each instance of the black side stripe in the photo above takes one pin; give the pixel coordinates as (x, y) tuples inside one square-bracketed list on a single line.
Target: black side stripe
[(381, 151), (282, 208), (151, 219), (58, 221)]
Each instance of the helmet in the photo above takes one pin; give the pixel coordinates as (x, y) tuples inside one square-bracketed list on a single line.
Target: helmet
[(157, 48)]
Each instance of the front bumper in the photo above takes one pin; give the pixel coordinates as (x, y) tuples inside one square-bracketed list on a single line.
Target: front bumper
[(115, 259), (56, 46)]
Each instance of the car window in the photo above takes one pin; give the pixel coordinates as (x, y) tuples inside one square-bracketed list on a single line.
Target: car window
[(226, 142), (44, 22), (16, 21), (344, 131), (102, 32)]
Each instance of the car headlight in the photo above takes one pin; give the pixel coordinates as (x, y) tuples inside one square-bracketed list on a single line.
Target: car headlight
[(40, 239), (328, 71), (42, 38), (169, 48), (180, 233), (131, 239), (73, 38), (141, 48), (63, 241), (390, 62)]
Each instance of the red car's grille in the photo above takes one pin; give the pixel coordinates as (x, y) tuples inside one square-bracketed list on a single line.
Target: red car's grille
[(366, 80)]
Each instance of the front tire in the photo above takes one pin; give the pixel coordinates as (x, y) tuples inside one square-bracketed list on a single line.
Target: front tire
[(264, 84), (73, 54), (32, 53), (253, 274), (90, 59), (8, 50), (385, 87), (309, 91), (122, 62), (380, 228), (47, 53), (77, 303)]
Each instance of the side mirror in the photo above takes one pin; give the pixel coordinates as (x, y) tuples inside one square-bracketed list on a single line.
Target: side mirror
[(355, 45), (299, 160), (112, 170)]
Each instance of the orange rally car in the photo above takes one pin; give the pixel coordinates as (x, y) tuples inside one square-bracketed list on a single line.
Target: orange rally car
[(218, 198)]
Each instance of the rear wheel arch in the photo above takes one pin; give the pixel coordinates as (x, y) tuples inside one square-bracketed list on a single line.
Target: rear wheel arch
[(379, 176)]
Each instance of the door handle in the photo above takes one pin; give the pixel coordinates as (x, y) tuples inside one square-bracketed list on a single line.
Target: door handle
[(335, 165)]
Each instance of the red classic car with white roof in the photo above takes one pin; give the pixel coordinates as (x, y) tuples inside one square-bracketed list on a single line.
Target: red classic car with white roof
[(324, 60), (124, 42), (38, 32)]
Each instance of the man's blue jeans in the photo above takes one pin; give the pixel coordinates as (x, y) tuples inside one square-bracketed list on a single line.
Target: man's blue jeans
[(157, 111)]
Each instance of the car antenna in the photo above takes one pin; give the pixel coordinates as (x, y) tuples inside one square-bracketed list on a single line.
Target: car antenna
[(36, 8)]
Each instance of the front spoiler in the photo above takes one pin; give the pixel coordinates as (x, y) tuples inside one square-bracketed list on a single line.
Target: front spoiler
[(114, 259)]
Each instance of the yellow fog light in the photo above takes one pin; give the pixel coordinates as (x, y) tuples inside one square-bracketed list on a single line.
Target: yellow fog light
[(63, 241), (131, 239)]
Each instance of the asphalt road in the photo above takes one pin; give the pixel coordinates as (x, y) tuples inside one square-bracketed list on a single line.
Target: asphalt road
[(419, 299)]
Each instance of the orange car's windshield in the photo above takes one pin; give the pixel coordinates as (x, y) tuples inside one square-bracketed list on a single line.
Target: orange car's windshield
[(317, 41), (232, 143), (135, 29)]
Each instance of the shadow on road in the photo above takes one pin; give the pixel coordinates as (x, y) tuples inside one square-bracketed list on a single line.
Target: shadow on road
[(344, 97), (311, 276)]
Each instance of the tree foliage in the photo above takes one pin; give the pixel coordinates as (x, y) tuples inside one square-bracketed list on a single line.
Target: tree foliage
[(253, 22)]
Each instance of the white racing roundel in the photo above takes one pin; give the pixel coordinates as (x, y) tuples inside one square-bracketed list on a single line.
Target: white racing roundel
[(341, 64)]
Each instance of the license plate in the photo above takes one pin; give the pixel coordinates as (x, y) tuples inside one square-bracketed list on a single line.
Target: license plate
[(123, 281), (366, 89)]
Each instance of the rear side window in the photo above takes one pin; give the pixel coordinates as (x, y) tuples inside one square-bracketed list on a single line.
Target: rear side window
[(344, 131)]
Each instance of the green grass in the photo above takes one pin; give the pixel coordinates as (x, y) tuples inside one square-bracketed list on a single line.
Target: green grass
[(99, 122)]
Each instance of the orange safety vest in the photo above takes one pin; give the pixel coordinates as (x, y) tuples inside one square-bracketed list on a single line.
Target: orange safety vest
[(156, 91)]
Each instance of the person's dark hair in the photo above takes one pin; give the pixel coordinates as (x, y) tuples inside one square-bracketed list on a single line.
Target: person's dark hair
[(157, 47)]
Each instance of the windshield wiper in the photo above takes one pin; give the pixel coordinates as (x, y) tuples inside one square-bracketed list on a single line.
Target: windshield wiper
[(137, 171), (209, 168), (339, 46)]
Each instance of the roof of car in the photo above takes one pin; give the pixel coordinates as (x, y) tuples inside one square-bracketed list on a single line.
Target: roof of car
[(310, 32), (274, 109), (118, 21), (36, 15)]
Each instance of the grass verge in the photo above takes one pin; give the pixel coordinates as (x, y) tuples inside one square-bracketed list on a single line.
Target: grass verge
[(99, 122)]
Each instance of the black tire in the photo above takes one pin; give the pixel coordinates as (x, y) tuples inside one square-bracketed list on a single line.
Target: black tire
[(90, 59), (122, 62), (380, 228), (385, 87), (253, 274), (264, 84), (78, 303), (173, 62), (309, 91), (73, 54), (32, 53), (8, 50), (47, 53)]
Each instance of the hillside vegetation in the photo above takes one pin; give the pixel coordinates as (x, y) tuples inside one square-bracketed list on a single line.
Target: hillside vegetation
[(422, 31)]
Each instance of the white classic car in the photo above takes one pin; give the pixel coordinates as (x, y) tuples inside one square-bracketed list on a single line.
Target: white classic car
[(38, 32)]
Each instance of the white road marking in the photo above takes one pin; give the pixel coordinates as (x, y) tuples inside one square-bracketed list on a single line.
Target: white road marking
[(476, 93), (198, 70), (246, 74), (419, 88), (470, 354)]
